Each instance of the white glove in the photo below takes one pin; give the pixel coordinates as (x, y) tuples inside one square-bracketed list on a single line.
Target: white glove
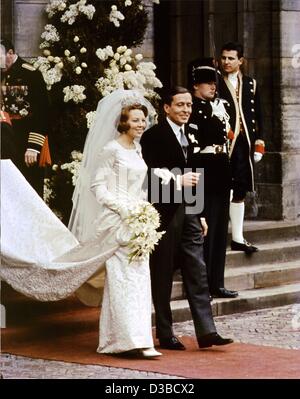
[(123, 211), (257, 156), (120, 207), (164, 174)]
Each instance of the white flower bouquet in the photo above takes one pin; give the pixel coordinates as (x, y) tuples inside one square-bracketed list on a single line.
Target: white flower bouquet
[(143, 222)]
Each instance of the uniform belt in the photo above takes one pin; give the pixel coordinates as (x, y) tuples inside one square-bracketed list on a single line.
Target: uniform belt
[(214, 149)]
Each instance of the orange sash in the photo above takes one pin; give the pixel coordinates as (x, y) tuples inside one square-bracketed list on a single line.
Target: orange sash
[(45, 157)]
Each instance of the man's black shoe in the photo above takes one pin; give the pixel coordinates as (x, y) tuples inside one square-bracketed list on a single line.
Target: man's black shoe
[(206, 341), (246, 247), (224, 293), (171, 343)]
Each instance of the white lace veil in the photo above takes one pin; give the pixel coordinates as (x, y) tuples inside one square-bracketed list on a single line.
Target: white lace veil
[(103, 130)]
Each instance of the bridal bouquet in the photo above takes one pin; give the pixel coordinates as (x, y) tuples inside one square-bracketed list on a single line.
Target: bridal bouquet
[(143, 222)]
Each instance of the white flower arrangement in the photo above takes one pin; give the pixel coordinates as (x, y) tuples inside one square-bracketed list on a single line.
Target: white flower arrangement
[(48, 194), (54, 6), (126, 71), (74, 93), (104, 53), (128, 3), (143, 222), (74, 166), (50, 74), (75, 9), (90, 117), (115, 16), (50, 35), (23, 112)]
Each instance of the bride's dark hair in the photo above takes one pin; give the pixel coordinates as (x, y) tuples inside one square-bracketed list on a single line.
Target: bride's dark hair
[(123, 126)]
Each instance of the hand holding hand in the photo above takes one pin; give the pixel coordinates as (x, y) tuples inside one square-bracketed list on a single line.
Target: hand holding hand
[(190, 179)]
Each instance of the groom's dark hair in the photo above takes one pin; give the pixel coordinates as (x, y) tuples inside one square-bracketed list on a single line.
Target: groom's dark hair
[(168, 94)]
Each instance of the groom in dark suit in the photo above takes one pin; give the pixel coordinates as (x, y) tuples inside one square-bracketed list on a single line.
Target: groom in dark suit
[(167, 153)]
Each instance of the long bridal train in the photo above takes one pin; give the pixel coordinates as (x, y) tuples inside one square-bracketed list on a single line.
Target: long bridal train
[(40, 257)]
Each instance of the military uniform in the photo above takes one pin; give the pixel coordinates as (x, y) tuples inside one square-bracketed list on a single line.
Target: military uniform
[(24, 97), (210, 153), (246, 122)]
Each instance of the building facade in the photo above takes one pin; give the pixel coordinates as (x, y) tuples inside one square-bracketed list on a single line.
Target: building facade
[(179, 32)]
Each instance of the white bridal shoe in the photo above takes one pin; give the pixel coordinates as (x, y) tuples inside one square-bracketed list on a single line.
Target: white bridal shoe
[(150, 352)]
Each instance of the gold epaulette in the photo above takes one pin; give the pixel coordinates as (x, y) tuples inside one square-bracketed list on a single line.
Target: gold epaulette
[(29, 67)]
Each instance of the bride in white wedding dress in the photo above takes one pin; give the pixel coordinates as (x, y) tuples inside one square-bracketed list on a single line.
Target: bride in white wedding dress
[(41, 258)]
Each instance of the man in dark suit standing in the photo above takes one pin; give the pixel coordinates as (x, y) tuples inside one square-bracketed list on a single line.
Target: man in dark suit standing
[(24, 97), (247, 146), (166, 151)]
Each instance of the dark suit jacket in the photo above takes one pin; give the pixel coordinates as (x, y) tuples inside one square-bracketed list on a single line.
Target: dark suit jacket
[(250, 110), (161, 149)]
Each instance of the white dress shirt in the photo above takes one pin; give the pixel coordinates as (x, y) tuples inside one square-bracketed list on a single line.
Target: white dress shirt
[(176, 129), (233, 79)]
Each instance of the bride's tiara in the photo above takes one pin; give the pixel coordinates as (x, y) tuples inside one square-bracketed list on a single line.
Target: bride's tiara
[(133, 99)]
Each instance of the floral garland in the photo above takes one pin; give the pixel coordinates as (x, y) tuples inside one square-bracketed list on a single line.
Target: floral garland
[(125, 71)]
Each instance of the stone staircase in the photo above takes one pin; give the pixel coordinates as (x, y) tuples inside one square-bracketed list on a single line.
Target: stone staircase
[(268, 278)]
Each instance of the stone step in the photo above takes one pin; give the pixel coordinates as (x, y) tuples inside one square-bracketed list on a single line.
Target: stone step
[(273, 252), (261, 276), (269, 231), (245, 278), (246, 301)]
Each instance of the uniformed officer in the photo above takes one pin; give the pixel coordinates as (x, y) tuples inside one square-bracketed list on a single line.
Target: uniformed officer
[(210, 150), (24, 97), (247, 146)]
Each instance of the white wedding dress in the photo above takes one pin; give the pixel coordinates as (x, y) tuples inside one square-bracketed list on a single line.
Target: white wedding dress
[(42, 259)]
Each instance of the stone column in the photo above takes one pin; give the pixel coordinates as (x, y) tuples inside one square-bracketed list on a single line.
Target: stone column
[(28, 24), (259, 31), (6, 8), (290, 107), (147, 48)]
